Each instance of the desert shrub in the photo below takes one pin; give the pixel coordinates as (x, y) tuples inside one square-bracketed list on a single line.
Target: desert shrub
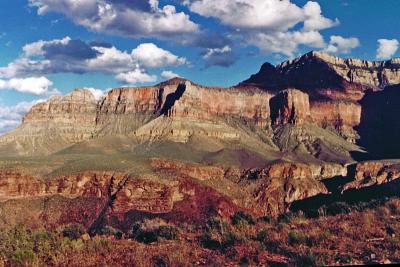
[(242, 217), (99, 244), (343, 258), (306, 260), (216, 225), (286, 217), (207, 241), (144, 234), (160, 261), (73, 231), (265, 219), (244, 261), (167, 232), (394, 206), (23, 257), (338, 208), (219, 242), (296, 237), (262, 235), (110, 231)]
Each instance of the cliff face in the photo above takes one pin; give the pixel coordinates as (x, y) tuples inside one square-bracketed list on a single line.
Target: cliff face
[(77, 107), (290, 106), (181, 98)]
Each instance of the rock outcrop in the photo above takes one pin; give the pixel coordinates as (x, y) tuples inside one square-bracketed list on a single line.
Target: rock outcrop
[(371, 173), (275, 187), (290, 106)]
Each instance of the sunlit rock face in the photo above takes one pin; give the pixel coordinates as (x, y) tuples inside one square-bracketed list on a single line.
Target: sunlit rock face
[(290, 106)]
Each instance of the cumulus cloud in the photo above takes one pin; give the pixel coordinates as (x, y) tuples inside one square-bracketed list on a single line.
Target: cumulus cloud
[(151, 56), (122, 17), (219, 56), (136, 76), (30, 85), (286, 43), (97, 93), (274, 26), (75, 56), (167, 74), (341, 45), (387, 48), (10, 116)]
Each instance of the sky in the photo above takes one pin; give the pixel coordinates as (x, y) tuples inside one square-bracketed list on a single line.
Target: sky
[(50, 47)]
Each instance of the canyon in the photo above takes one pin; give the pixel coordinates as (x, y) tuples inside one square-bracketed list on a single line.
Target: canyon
[(186, 152)]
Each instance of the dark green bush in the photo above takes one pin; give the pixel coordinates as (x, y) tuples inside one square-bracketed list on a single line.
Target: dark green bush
[(297, 238), (242, 217), (338, 208), (110, 231), (73, 231), (143, 235), (167, 232), (262, 235)]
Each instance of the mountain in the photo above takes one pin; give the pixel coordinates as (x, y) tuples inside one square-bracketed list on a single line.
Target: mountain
[(183, 152)]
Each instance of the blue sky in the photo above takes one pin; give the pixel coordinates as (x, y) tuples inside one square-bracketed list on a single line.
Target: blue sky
[(50, 47)]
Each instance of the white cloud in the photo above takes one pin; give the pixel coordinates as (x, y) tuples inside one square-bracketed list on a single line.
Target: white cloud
[(167, 74), (151, 56), (314, 19), (136, 76), (97, 93), (387, 48), (75, 56), (128, 18), (271, 15), (213, 51), (110, 60), (10, 116), (31, 85), (274, 26), (223, 56), (341, 45), (286, 43)]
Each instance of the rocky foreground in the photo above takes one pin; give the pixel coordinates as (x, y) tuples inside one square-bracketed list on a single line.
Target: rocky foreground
[(295, 137)]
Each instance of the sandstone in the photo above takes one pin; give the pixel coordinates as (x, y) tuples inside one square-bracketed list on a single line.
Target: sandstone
[(276, 187), (290, 106), (370, 173)]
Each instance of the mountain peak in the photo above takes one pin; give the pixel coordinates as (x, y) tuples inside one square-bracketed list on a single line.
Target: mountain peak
[(327, 76)]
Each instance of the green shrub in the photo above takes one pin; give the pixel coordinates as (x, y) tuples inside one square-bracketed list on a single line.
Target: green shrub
[(207, 241), (306, 260), (262, 235), (240, 216), (99, 244), (149, 235), (23, 257), (73, 231), (167, 232), (110, 231), (297, 238), (286, 217)]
